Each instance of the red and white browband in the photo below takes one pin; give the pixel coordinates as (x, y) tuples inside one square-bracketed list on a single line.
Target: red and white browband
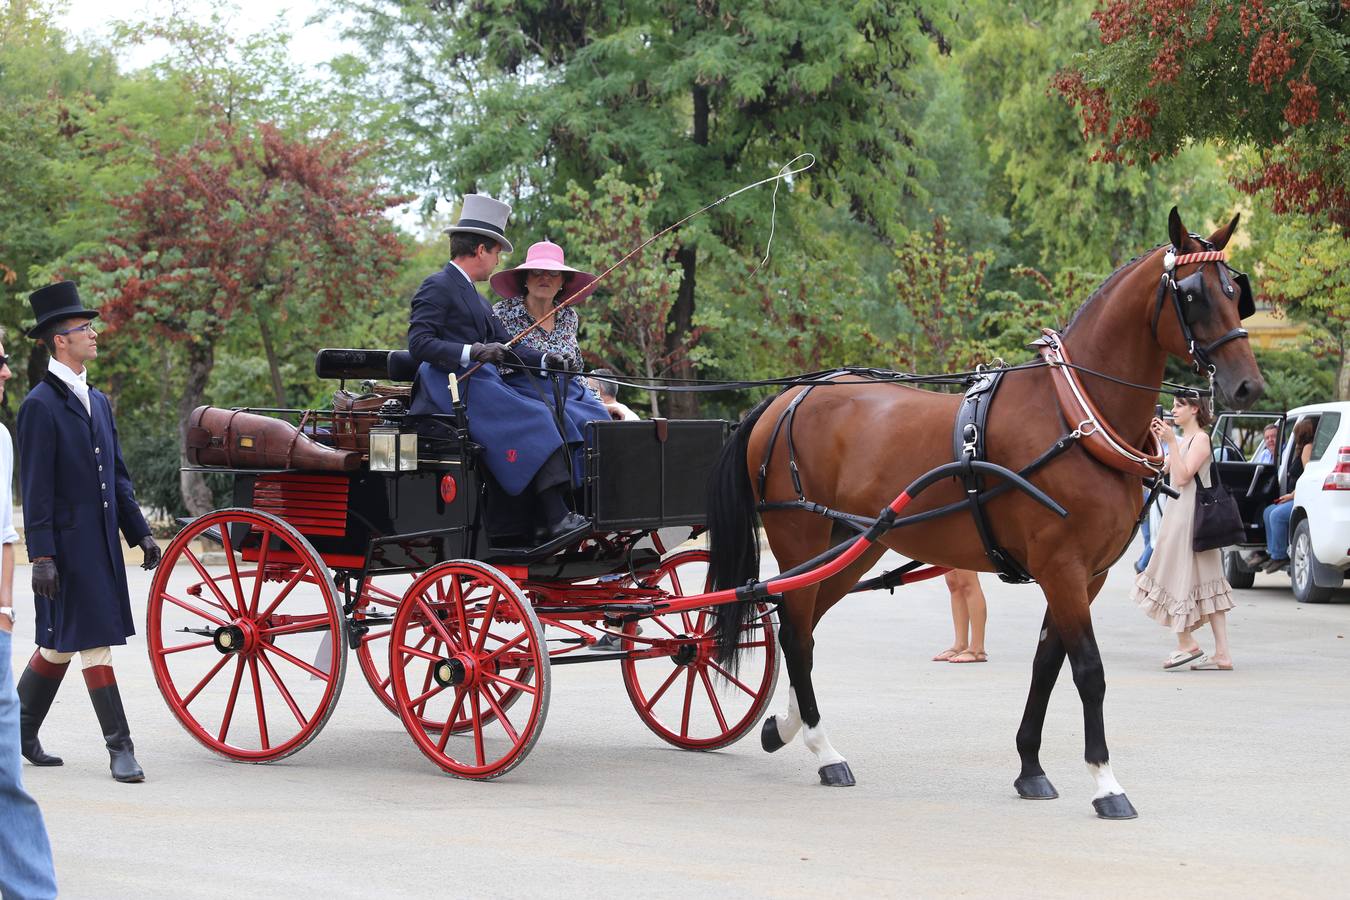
[(1171, 260)]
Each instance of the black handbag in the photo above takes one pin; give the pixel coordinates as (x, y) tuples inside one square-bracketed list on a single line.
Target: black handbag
[(1218, 523)]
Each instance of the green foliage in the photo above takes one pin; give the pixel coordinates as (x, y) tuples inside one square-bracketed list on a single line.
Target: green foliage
[(1294, 378)]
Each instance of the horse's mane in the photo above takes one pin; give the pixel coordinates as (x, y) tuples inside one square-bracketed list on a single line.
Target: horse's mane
[(1110, 279)]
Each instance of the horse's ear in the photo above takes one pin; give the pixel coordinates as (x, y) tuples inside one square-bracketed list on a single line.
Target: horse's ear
[(1221, 237), (1175, 230)]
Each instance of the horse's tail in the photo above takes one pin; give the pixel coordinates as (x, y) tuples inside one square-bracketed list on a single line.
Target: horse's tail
[(733, 543)]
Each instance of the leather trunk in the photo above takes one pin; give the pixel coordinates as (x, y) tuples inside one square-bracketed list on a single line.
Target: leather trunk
[(242, 440), (354, 414)]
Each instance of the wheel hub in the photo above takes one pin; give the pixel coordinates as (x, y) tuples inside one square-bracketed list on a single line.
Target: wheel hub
[(687, 655), (241, 636), (453, 671)]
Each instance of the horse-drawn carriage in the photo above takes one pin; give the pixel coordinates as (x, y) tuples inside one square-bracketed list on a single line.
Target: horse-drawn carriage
[(386, 537)]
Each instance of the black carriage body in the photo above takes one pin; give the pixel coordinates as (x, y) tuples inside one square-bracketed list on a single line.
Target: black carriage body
[(378, 521)]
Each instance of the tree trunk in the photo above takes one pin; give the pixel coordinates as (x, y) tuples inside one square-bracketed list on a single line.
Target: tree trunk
[(683, 405), (200, 359), (278, 389)]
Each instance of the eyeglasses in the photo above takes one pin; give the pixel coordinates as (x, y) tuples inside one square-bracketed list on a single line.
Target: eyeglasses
[(87, 326)]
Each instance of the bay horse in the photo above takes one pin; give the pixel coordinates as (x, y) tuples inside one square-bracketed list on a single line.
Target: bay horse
[(857, 443)]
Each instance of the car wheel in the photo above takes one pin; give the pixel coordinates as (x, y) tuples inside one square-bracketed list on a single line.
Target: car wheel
[(1238, 576), (1301, 565)]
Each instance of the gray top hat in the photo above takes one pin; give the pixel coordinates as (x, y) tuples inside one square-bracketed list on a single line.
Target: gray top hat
[(483, 215)]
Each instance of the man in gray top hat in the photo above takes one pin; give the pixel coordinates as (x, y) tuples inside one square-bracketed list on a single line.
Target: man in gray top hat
[(452, 328)]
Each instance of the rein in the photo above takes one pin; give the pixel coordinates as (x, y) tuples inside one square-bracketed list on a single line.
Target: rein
[(1099, 439)]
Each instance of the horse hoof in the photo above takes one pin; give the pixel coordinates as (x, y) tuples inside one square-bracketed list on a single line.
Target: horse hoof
[(1035, 787), (1114, 806), (837, 775), (768, 736)]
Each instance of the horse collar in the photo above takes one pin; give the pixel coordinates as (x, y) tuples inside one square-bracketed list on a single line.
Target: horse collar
[(1097, 436)]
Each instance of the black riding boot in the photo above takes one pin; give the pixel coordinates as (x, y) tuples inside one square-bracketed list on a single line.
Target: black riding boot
[(113, 719), (37, 690)]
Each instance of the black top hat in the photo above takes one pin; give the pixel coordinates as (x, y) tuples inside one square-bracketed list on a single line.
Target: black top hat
[(54, 303)]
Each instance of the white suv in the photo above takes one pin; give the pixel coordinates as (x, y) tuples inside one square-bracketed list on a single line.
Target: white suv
[(1319, 530), (1319, 527)]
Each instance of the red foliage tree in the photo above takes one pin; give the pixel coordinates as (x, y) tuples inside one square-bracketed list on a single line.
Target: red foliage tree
[(244, 223)]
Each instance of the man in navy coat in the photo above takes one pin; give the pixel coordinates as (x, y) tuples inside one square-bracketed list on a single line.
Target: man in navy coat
[(452, 327), (77, 495)]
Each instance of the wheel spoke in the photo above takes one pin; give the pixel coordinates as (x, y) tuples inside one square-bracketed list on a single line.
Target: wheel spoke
[(733, 679), (661, 620), (688, 701), (518, 685), (192, 609), (317, 673), (674, 673), (450, 722), (712, 696), (457, 592), (304, 624), (206, 577), (514, 642), (420, 701), (258, 702), (421, 654), (285, 694), (435, 622), (487, 622), (234, 695), (165, 651), (477, 727), (201, 684), (299, 576), (265, 548), (501, 716), (234, 567)]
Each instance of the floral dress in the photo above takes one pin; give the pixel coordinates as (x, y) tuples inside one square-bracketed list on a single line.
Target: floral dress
[(1179, 586), (515, 315)]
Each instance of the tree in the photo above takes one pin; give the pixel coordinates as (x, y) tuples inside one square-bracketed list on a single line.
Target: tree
[(521, 97), (1273, 75), (942, 287), (627, 319), (242, 224)]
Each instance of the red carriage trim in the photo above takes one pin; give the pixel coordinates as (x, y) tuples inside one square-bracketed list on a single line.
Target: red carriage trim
[(314, 504)]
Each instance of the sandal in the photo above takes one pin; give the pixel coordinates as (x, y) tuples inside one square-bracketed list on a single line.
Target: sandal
[(946, 655), (972, 656), (1210, 665), (1179, 658)]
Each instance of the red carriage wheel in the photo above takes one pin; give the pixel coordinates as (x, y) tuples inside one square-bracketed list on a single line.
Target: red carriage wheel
[(685, 696), (250, 653), (464, 638), (376, 606)]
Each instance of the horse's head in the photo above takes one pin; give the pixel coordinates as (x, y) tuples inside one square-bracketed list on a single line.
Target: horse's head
[(1198, 315)]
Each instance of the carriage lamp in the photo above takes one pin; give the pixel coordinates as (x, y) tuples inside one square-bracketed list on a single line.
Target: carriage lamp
[(391, 451)]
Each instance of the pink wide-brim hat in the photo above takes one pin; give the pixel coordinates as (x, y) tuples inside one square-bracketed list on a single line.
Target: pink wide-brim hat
[(546, 256)]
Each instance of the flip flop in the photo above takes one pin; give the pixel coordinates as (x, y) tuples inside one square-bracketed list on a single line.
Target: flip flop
[(1179, 658), (1210, 665), (974, 657), (946, 655)]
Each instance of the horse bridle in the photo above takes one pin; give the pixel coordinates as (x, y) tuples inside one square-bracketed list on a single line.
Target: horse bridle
[(1192, 288)]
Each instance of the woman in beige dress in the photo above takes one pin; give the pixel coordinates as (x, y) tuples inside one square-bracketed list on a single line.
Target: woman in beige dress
[(1180, 588)]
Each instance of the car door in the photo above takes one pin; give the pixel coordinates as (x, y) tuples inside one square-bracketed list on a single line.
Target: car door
[(1236, 438)]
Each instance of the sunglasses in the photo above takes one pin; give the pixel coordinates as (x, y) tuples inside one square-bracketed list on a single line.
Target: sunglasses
[(542, 273), (4, 360)]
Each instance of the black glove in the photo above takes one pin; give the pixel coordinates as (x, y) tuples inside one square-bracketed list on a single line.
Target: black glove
[(488, 353), (46, 583), (556, 362), (152, 552)]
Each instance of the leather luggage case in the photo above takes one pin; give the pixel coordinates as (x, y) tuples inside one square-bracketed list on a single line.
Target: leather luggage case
[(354, 414), (242, 440)]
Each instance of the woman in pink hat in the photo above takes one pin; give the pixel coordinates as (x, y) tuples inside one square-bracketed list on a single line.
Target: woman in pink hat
[(531, 292)]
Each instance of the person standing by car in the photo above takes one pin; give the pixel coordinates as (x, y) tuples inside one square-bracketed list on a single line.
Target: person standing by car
[(77, 494), (25, 852), (1180, 588), (1277, 514)]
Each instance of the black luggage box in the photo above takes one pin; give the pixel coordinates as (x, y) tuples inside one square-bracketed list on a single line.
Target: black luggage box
[(650, 474)]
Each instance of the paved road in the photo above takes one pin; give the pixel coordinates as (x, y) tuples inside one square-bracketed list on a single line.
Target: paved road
[(1237, 776)]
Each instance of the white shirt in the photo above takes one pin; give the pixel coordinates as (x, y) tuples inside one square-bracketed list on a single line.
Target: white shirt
[(78, 383), (8, 533), (464, 354)]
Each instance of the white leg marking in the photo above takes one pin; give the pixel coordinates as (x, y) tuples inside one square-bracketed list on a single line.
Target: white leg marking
[(819, 744), (1106, 782), (789, 723)]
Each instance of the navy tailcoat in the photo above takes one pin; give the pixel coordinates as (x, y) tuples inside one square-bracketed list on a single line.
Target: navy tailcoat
[(77, 494), (511, 418)]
